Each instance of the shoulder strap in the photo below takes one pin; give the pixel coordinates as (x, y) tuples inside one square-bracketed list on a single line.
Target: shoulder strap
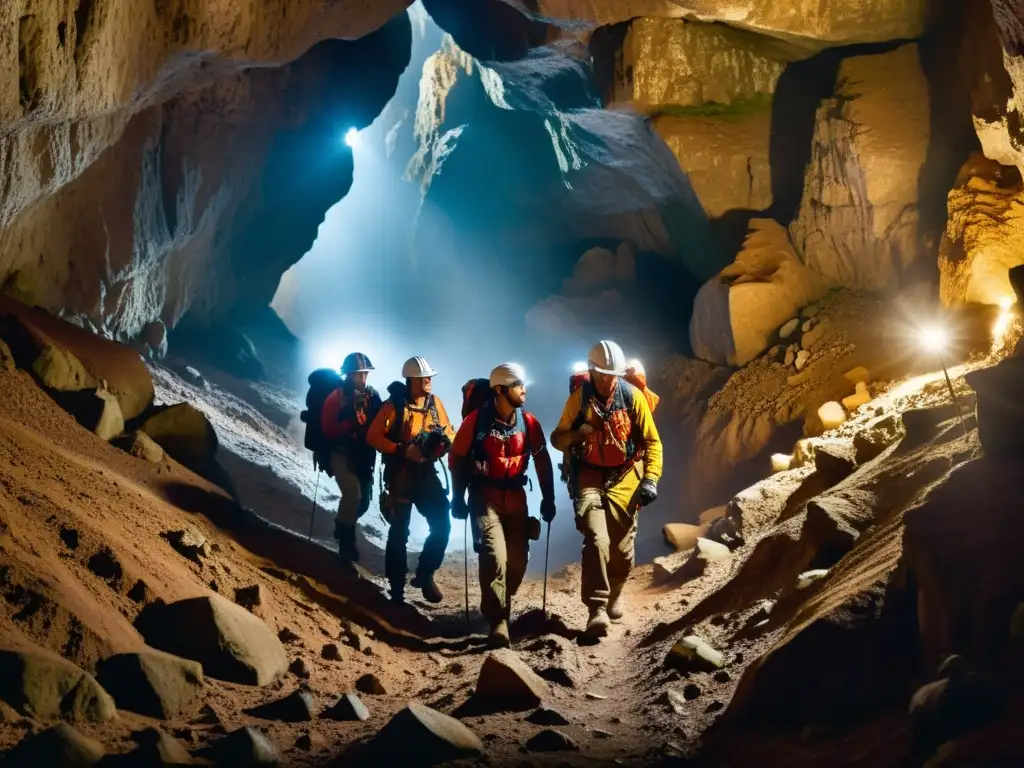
[(395, 432), (586, 392)]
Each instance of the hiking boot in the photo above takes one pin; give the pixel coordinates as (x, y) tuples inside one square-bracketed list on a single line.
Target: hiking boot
[(346, 536), (499, 635), (615, 609), (599, 623), (431, 593)]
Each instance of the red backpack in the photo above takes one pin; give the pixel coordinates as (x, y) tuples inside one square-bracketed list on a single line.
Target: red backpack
[(475, 393)]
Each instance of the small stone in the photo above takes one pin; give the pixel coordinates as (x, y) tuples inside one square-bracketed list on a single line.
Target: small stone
[(547, 716), (455, 668), (595, 696), (157, 748), (835, 461), (692, 653), (287, 636), (558, 676), (507, 683), (601, 733), (371, 684), (550, 740), (296, 707), (807, 578), (246, 746), (299, 668), (789, 328), (802, 357), (304, 742), (139, 592), (714, 706), (807, 326), (713, 551), (674, 700), (368, 650), (189, 543), (142, 446), (691, 692), (348, 707), (252, 597), (722, 676), (353, 640), (60, 745), (790, 357), (831, 415), (331, 652), (430, 735)]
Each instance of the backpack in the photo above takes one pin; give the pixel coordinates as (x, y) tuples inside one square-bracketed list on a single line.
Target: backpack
[(639, 381), (398, 397), (475, 393), (322, 382)]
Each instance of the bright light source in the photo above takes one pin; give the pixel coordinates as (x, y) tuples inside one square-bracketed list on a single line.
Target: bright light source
[(637, 367), (934, 338), (1006, 302), (351, 137), (580, 367)]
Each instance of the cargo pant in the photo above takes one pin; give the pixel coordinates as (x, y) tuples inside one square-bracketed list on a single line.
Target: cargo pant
[(608, 521), (499, 530), (356, 491), (418, 485)]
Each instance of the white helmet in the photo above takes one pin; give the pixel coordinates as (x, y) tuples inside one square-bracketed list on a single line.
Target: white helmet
[(607, 357), (417, 368), (507, 374)]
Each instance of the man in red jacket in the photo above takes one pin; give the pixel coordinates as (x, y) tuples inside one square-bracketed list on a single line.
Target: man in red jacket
[(345, 419), (490, 457)]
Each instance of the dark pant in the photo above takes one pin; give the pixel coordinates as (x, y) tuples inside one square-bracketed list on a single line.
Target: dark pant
[(416, 485)]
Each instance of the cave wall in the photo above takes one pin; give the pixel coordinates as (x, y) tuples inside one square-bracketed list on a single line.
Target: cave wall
[(137, 142)]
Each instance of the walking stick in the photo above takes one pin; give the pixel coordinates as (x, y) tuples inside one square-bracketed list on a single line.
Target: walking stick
[(465, 562), (547, 550), (312, 516)]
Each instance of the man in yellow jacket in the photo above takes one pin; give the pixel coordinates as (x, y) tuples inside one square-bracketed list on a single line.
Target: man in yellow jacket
[(412, 432), (608, 431)]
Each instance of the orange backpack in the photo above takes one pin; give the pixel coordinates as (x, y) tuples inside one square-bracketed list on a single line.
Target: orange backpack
[(638, 380)]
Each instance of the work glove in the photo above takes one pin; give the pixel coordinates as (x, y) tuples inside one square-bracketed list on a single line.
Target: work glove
[(547, 510), (412, 452), (460, 510), (648, 491)]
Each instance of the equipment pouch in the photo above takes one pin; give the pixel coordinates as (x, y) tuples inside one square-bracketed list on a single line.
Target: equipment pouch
[(532, 528)]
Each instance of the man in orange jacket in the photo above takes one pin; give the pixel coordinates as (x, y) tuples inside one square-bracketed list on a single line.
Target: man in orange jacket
[(490, 457), (412, 432), (344, 420)]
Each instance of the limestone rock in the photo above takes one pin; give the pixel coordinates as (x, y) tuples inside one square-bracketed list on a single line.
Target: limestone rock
[(869, 443), (999, 416), (599, 269), (726, 158), (801, 359), (430, 735), (296, 707), (857, 223), (506, 682), (831, 415), (348, 707), (807, 22), (189, 543), (51, 363), (712, 551), (984, 236), (835, 461), (45, 687), (255, 598), (681, 535), (184, 432), (142, 446), (666, 63), (736, 314), (152, 683), (157, 748), (789, 328), (941, 710), (693, 654), (546, 716), (229, 642), (58, 747), (246, 746)]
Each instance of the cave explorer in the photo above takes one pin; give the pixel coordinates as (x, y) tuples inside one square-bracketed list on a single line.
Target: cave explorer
[(489, 458), (612, 445), (412, 432), (345, 419)]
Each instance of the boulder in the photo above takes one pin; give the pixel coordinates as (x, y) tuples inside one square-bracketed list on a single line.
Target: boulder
[(245, 746), (142, 446), (599, 269), (45, 687), (154, 337), (184, 432), (736, 314), (942, 710), (547, 716), (870, 443), (95, 409), (189, 543), (370, 684), (691, 654), (1000, 420), (550, 740), (152, 683), (58, 747), (157, 748), (857, 222), (670, 64), (682, 536), (430, 735), (297, 707), (71, 358), (835, 461), (507, 683), (256, 599), (229, 642), (984, 235), (348, 707), (726, 158)]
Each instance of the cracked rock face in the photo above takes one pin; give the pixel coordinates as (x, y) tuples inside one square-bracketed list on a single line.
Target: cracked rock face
[(998, 109), (130, 134), (857, 222)]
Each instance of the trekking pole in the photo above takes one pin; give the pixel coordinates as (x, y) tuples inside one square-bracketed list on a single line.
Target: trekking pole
[(547, 551), (312, 516), (465, 561)]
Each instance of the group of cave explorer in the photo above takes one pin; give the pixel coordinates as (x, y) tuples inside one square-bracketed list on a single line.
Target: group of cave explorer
[(612, 463)]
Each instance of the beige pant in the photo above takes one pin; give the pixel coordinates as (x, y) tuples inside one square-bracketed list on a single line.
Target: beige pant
[(608, 522), (504, 551), (355, 491)]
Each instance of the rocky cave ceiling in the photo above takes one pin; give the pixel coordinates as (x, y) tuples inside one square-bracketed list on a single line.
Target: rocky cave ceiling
[(166, 162)]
